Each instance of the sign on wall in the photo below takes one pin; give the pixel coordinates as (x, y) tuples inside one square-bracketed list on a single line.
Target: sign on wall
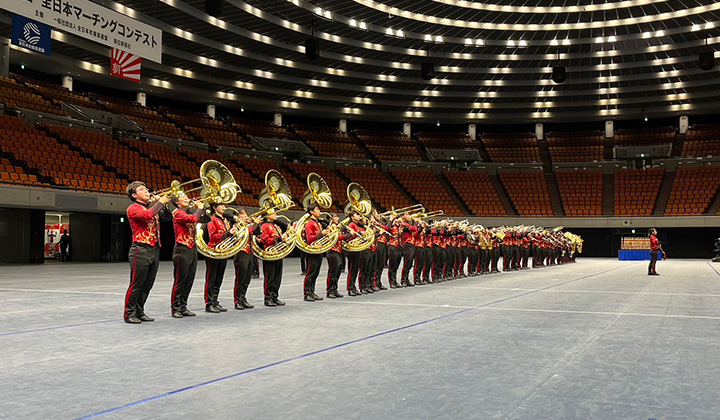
[(31, 35), (125, 65), (92, 21)]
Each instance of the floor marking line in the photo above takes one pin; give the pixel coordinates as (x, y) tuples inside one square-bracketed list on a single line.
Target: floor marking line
[(327, 349)]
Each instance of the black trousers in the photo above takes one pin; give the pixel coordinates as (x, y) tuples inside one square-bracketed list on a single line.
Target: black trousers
[(495, 258), (144, 262), (428, 263), (353, 268), (303, 262), (394, 258), (380, 259), (507, 257), (184, 268), (367, 269), (313, 263), (272, 270), (437, 262), (214, 274), (334, 260), (419, 264), (486, 256), (408, 253), (244, 266), (653, 260)]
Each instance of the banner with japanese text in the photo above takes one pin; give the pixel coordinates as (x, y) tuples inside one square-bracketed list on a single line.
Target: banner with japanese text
[(94, 22), (125, 65), (31, 35)]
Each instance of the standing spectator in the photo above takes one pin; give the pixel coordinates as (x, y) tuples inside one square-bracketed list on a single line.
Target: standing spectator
[(65, 242)]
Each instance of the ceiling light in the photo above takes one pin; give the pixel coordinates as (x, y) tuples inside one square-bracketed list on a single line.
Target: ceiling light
[(646, 35), (439, 40), (479, 43), (611, 38), (709, 25), (399, 33), (554, 42), (363, 25), (599, 40), (389, 32), (353, 23), (511, 43), (428, 38), (695, 27), (660, 33), (566, 41), (468, 42)]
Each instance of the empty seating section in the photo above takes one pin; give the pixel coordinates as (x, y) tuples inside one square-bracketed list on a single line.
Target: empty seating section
[(260, 128), (206, 128), (636, 191), (15, 96), (54, 159), (581, 192), (56, 93), (447, 141), (427, 189), (693, 190), (644, 136), (382, 191), (329, 141), (389, 145), (148, 119), (12, 174), (528, 192), (585, 146), (113, 154), (163, 156), (338, 187), (511, 147), (702, 140), (242, 178), (477, 191)]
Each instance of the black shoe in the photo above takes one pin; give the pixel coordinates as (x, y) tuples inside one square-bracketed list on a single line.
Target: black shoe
[(185, 312), (393, 285), (133, 320), (177, 315), (653, 274), (336, 294), (375, 289), (239, 306), (369, 290), (212, 308), (363, 291), (145, 318), (316, 297), (270, 302), (220, 308), (408, 284), (279, 302), (330, 296), (353, 292), (309, 298), (246, 304)]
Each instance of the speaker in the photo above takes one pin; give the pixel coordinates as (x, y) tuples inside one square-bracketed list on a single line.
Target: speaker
[(558, 74), (706, 60), (427, 71), (312, 48), (214, 7)]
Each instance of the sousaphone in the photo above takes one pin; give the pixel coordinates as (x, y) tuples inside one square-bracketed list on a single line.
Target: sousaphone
[(274, 198), (318, 192), (359, 201)]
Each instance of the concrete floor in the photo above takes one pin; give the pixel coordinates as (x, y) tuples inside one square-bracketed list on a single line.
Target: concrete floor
[(598, 339)]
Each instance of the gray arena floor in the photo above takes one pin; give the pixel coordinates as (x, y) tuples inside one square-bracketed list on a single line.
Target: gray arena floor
[(598, 339)]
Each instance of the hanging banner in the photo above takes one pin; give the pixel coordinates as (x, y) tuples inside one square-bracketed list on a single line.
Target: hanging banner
[(125, 65), (31, 35), (94, 22)]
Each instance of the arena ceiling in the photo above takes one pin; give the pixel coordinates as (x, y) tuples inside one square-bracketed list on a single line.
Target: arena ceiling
[(493, 59)]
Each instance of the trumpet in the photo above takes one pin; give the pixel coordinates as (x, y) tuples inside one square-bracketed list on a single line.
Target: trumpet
[(398, 212)]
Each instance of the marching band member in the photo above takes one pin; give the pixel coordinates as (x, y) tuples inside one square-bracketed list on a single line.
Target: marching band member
[(419, 241), (436, 235), (408, 248), (144, 255), (496, 242), (394, 253), (356, 261), (334, 259), (381, 255), (313, 232), (218, 229), (428, 255), (244, 264), (184, 254), (271, 233)]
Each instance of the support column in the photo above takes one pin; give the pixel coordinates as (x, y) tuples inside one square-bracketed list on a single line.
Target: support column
[(342, 126), (67, 82), (211, 110), (142, 98), (609, 129), (278, 119), (407, 129), (539, 131), (684, 124), (472, 131)]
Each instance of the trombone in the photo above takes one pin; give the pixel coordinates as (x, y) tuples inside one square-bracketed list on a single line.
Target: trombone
[(398, 212)]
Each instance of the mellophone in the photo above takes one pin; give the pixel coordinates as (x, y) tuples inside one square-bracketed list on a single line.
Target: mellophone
[(217, 185)]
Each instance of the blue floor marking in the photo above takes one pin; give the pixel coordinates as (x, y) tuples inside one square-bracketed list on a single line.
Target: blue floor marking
[(348, 343)]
